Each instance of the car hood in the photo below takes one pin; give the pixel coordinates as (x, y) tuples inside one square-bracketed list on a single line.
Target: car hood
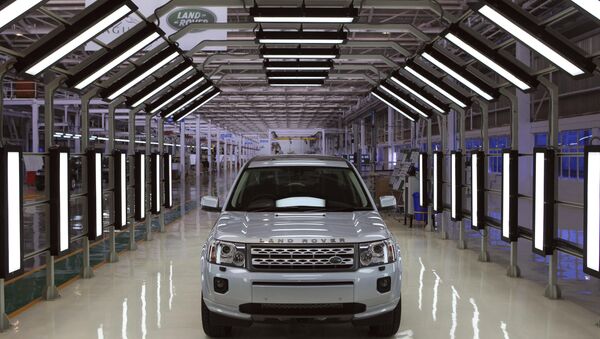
[(333, 227)]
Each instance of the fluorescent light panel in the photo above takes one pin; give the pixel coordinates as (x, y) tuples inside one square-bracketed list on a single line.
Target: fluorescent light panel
[(477, 190), (405, 102), (188, 101), (531, 40), (168, 181), (485, 60), (456, 183), (116, 61), (79, 40), (414, 91), (140, 186), (423, 179), (539, 201), (388, 102), (300, 37), (156, 183), (14, 210), (436, 180), (143, 76), (303, 15), (171, 97), (435, 87), (298, 65), (15, 10), (197, 107), (457, 76), (591, 6), (592, 211), (163, 85), (299, 53)]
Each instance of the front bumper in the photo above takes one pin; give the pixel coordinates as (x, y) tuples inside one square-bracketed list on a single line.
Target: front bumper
[(354, 293)]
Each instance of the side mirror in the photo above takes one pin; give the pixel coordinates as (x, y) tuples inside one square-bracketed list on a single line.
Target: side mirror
[(387, 202), (210, 204)]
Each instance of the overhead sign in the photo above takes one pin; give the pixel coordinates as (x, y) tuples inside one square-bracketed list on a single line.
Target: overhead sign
[(175, 20)]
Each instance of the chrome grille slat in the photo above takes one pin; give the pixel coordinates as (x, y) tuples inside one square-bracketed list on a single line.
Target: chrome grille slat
[(265, 257)]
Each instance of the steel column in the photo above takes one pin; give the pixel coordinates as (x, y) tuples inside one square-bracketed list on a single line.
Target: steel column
[(553, 290), (148, 132), (112, 254), (161, 150), (462, 243), (484, 255)]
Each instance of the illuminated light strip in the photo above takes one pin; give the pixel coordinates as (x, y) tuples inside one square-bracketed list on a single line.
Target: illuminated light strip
[(180, 107), (98, 191), (143, 76), (15, 10), (457, 76), (437, 162), (477, 190), (286, 19), (299, 56), (474, 187), (162, 86), (177, 95), (297, 77), (422, 179), (295, 85), (156, 183), (416, 94), (301, 41), (296, 68), (531, 41), (115, 62), (411, 106), (592, 211), (509, 195), (435, 87), (197, 107), (123, 190), (140, 186), (488, 62), (591, 6), (456, 186), (539, 201), (168, 180), (506, 195), (13, 222), (79, 40), (393, 106)]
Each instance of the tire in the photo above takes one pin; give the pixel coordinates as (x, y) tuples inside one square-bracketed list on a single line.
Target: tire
[(211, 330), (389, 328)]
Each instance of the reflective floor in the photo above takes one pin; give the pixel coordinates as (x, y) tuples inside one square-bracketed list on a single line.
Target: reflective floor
[(154, 292)]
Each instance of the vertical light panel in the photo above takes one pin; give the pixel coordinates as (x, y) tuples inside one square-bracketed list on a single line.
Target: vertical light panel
[(94, 198), (591, 226), (510, 168), (477, 190), (456, 184), (12, 220), (140, 186), (155, 165), (59, 201), (543, 201), (423, 199), (120, 189), (168, 179), (438, 159)]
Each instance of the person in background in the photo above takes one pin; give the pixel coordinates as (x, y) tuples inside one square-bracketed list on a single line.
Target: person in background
[(413, 186)]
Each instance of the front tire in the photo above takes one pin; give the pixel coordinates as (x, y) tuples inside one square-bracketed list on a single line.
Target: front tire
[(391, 327), (210, 329)]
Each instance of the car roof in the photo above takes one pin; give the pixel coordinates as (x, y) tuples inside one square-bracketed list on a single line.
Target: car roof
[(297, 160)]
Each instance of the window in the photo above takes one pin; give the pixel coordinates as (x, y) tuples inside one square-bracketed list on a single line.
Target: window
[(299, 188), (572, 141), (473, 144), (497, 144)]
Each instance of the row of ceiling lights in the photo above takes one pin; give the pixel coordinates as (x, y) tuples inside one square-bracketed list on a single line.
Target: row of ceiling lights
[(511, 19), (95, 19), (300, 72)]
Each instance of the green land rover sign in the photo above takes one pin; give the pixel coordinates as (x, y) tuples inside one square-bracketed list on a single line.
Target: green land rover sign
[(182, 17)]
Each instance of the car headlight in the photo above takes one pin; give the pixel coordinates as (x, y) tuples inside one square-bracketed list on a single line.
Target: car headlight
[(227, 254), (377, 253)]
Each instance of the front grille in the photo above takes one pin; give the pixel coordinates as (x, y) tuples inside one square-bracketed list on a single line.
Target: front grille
[(292, 258), (302, 309)]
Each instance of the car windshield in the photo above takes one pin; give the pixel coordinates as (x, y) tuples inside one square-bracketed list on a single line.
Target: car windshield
[(277, 189)]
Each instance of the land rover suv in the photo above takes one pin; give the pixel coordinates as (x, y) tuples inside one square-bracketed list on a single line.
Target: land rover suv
[(299, 237)]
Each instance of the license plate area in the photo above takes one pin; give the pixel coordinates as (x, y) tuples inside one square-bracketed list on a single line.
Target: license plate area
[(299, 293)]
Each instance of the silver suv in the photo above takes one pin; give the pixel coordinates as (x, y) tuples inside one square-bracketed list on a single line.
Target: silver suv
[(299, 237)]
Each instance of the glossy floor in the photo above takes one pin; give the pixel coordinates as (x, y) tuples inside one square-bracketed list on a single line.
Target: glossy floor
[(154, 292)]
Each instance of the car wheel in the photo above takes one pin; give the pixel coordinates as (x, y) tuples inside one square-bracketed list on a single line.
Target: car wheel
[(210, 329), (389, 328)]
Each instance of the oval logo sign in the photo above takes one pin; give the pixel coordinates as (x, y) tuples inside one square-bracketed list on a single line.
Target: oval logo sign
[(182, 17), (335, 260)]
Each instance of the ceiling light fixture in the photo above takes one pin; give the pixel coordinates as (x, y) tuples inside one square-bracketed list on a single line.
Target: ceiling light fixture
[(186, 100), (388, 101), (298, 65), (419, 93), (299, 53), (300, 37), (64, 39), (459, 73), (296, 83), (16, 9), (547, 42), (406, 101), (435, 83), (197, 105), (304, 15), (175, 93), (159, 84), (297, 75), (109, 59), (140, 73)]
